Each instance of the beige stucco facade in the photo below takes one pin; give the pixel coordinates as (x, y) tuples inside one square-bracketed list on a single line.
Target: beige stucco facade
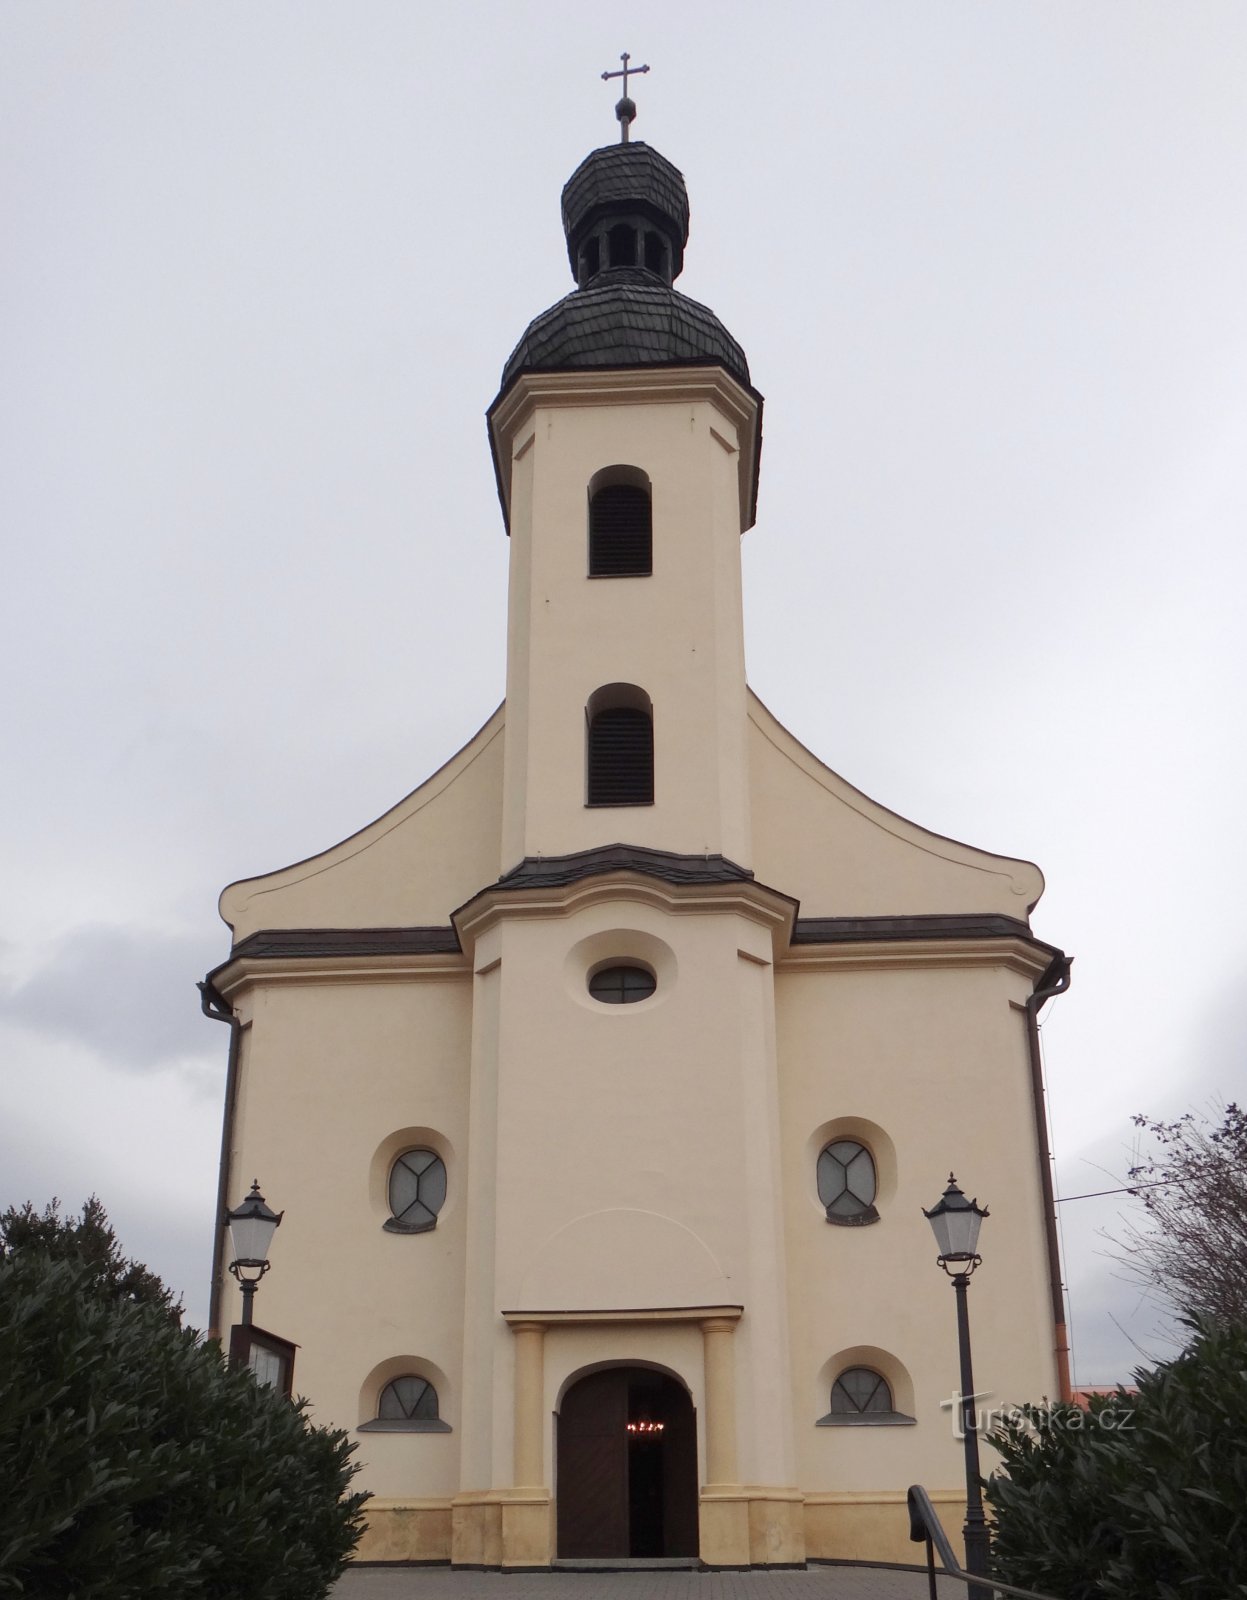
[(634, 1185)]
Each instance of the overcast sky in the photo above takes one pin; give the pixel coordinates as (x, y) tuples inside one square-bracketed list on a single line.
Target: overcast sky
[(262, 266)]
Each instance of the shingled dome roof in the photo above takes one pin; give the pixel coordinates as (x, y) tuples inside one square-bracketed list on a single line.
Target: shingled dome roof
[(626, 318), (625, 214)]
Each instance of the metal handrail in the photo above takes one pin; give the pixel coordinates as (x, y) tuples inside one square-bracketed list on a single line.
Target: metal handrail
[(925, 1525)]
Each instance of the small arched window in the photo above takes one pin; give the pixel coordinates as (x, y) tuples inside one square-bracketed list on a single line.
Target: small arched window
[(862, 1398), (621, 539), (407, 1405), (621, 241), (847, 1183), (590, 260), (417, 1191), (620, 747), (860, 1392)]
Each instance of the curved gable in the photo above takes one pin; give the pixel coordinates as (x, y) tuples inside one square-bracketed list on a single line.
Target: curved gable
[(842, 854), (410, 867)]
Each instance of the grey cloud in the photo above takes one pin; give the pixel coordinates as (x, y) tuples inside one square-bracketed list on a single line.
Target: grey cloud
[(127, 993)]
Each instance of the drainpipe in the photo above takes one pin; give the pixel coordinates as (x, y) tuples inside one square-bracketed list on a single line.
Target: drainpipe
[(1056, 980), (214, 1005)]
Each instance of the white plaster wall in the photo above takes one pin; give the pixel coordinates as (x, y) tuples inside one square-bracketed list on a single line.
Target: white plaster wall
[(331, 1072), (635, 1152), (937, 1060), (676, 634)]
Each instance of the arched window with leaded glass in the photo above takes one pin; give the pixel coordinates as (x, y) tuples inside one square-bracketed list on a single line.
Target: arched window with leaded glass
[(847, 1182), (861, 1397), (416, 1192), (407, 1404)]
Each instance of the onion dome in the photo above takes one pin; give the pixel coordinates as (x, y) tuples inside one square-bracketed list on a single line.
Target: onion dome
[(625, 214), (632, 187)]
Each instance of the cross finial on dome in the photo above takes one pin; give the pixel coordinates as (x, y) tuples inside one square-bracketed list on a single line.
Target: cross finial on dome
[(625, 109)]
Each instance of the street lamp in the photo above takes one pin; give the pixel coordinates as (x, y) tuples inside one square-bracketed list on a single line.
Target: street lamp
[(955, 1222), (251, 1229)]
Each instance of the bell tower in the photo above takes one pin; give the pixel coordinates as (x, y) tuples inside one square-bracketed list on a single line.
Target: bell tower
[(624, 1113), (625, 440)]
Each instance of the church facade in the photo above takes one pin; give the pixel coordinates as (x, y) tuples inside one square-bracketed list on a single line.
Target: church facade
[(602, 1080)]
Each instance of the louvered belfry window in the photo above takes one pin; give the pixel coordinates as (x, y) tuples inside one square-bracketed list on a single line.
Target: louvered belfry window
[(620, 532), (621, 757)]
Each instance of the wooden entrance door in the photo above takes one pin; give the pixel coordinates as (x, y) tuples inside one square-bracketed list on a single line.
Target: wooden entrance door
[(627, 1467)]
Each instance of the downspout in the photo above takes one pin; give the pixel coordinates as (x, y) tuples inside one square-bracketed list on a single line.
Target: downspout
[(1056, 980), (214, 1005)]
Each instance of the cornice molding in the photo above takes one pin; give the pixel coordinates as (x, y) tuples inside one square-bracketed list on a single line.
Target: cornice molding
[(744, 897), (562, 885), (613, 386), (547, 1319), (238, 974), (1027, 957)]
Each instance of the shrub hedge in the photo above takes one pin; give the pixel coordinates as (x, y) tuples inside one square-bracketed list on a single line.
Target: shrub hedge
[(1144, 1494), (136, 1464)]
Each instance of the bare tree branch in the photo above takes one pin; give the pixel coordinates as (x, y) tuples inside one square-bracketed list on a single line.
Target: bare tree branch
[(1193, 1249)]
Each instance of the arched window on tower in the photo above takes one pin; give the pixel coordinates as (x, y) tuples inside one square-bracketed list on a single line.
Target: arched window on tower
[(590, 260), (621, 524), (621, 241), (619, 747)]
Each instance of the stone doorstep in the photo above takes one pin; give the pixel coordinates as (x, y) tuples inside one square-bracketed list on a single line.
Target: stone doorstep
[(626, 1564)]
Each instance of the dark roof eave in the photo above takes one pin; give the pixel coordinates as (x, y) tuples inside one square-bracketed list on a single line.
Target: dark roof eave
[(284, 944), (937, 925)]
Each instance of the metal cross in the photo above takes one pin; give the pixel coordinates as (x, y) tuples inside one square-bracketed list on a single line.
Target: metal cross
[(625, 110)]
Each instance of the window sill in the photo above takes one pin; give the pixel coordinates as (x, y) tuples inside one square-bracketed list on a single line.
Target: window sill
[(386, 1425), (393, 1225), (866, 1419), (862, 1221), (614, 805)]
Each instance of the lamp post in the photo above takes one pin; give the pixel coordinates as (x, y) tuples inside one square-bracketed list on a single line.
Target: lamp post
[(955, 1222), (251, 1229)]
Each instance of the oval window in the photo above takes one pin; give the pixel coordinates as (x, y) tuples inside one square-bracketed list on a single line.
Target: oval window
[(846, 1182), (621, 986), (417, 1191)]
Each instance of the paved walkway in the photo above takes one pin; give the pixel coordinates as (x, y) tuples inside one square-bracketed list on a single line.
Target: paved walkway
[(816, 1583)]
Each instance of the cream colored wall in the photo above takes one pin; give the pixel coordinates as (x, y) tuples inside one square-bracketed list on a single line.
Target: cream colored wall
[(842, 854), (332, 1074), (676, 634), (409, 868), (627, 1157), (936, 1060)]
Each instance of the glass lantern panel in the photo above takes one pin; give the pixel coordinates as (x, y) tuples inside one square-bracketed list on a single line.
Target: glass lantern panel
[(251, 1237)]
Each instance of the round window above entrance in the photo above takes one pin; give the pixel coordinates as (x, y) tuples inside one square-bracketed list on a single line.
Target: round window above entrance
[(622, 984)]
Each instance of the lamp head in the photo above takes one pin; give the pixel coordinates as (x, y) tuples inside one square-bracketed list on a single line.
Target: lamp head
[(955, 1222), (251, 1227)]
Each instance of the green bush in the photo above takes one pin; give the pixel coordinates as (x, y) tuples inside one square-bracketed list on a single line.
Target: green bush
[(91, 1240), (1145, 1494), (136, 1464)]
